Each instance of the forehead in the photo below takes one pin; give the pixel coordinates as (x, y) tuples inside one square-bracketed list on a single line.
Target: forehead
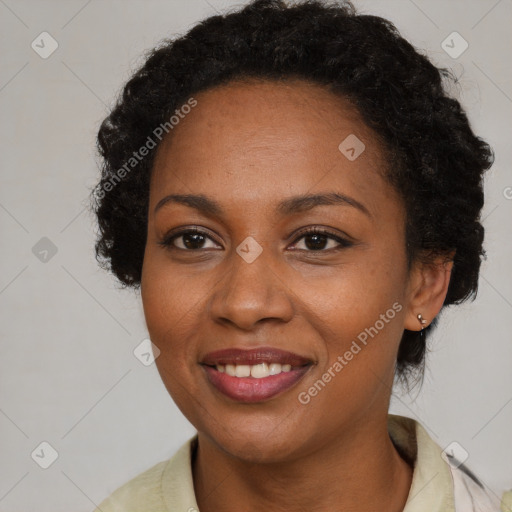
[(244, 136)]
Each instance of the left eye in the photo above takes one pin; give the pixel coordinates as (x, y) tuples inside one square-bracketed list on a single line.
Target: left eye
[(317, 239)]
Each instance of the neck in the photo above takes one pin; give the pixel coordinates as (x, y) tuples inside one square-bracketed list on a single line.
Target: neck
[(357, 470)]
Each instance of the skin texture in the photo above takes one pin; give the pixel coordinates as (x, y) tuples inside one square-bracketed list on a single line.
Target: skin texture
[(250, 145)]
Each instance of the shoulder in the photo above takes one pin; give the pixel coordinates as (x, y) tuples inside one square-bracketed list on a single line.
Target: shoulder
[(469, 493), (440, 481), (168, 485), (144, 492)]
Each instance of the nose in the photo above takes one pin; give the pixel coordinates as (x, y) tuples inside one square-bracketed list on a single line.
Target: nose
[(250, 293)]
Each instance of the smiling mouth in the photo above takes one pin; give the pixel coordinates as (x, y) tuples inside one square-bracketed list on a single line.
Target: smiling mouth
[(257, 371), (254, 375)]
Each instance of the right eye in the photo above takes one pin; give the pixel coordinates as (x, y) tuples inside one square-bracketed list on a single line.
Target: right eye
[(191, 239)]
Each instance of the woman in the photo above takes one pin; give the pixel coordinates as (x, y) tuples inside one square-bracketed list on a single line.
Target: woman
[(297, 198)]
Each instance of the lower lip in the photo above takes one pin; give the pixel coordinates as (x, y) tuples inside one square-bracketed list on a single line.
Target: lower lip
[(249, 389)]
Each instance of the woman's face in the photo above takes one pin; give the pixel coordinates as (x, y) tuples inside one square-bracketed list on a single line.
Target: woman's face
[(253, 279)]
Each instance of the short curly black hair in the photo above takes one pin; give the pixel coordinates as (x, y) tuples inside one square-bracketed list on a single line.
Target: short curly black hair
[(438, 162)]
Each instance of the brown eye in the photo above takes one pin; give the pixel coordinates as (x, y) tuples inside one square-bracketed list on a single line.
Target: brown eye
[(316, 239), (315, 242), (190, 239)]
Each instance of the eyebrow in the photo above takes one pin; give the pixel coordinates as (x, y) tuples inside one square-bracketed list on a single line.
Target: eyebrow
[(288, 206)]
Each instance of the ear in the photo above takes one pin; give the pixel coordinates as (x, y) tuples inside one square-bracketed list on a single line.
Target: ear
[(428, 286)]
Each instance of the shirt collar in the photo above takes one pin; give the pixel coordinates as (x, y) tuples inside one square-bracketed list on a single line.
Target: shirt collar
[(431, 488)]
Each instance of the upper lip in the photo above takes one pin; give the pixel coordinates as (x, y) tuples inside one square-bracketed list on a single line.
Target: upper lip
[(254, 356)]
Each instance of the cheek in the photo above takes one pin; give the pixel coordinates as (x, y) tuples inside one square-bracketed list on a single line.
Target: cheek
[(361, 334), (170, 308), (171, 304), (359, 314), (354, 298), (171, 297)]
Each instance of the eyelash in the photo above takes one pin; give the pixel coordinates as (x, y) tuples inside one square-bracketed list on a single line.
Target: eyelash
[(168, 240)]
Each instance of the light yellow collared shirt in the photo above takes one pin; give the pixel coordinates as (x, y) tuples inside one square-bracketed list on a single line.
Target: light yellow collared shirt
[(437, 485)]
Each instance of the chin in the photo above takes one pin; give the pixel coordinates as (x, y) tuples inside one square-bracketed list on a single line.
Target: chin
[(256, 445)]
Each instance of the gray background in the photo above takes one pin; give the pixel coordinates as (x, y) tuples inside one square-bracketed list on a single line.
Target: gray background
[(68, 375)]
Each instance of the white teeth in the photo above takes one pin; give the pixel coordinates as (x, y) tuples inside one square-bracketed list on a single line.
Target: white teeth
[(257, 371), (275, 368), (242, 370)]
